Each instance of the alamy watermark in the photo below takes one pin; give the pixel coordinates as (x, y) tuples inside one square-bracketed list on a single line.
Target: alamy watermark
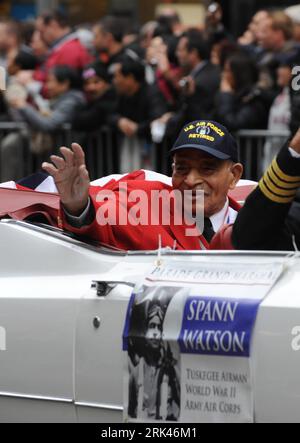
[(296, 78), (296, 339), (153, 208)]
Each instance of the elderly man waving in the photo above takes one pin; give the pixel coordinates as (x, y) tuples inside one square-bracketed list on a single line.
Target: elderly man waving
[(126, 214)]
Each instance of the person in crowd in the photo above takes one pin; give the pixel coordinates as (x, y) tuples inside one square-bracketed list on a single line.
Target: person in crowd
[(199, 85), (221, 50), (108, 41), (65, 46), (161, 56), (138, 106), (25, 60), (147, 32), (12, 40), (249, 40), (65, 97), (101, 98), (294, 13), (275, 37), (169, 19), (65, 100), (131, 39), (280, 112), (39, 47), (240, 103), (27, 31), (205, 158), (214, 23)]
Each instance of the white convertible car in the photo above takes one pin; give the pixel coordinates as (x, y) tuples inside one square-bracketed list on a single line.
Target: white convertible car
[(63, 306)]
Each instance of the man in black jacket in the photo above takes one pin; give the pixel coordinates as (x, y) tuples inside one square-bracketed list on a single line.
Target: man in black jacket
[(200, 84), (138, 103), (102, 100), (270, 219), (138, 106)]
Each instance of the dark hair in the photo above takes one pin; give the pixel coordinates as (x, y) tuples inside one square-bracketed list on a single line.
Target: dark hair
[(58, 15), (114, 26), (99, 69), (136, 68), (197, 42), (27, 31), (169, 20), (162, 31), (25, 60), (228, 49), (244, 70), (64, 73), (172, 44)]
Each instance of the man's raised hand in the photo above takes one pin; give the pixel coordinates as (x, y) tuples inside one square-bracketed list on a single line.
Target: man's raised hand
[(71, 178)]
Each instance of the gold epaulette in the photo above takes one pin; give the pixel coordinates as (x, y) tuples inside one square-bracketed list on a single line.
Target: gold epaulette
[(278, 186)]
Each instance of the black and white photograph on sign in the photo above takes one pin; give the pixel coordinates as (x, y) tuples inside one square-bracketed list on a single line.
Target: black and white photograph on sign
[(153, 359)]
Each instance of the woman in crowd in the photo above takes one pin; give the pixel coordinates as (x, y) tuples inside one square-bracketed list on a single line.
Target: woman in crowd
[(240, 103), (65, 98), (280, 113)]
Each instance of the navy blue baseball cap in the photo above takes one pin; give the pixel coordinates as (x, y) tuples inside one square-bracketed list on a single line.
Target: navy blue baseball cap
[(209, 137)]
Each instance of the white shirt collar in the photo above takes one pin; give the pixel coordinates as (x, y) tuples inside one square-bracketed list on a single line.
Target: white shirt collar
[(226, 216)]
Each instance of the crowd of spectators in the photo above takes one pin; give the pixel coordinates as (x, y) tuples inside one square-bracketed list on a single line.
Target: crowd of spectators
[(145, 82)]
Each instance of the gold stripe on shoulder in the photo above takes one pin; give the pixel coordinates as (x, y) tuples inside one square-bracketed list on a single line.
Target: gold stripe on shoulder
[(273, 197), (282, 175), (282, 184), (277, 190)]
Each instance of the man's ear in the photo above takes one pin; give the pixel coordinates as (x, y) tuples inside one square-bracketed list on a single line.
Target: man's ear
[(237, 170)]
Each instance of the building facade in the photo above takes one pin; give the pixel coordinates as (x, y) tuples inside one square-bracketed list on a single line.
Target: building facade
[(139, 10)]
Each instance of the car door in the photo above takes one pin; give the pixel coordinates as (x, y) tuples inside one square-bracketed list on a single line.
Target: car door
[(38, 318), (99, 360)]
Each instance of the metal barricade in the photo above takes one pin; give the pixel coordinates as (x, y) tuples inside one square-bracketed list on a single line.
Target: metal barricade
[(102, 156), (257, 148), (100, 148), (10, 132)]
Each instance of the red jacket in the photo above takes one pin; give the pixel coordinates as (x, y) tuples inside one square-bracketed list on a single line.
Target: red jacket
[(24, 203), (69, 52), (137, 238)]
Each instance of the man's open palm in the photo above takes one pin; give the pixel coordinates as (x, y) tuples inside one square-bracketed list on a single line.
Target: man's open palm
[(71, 178)]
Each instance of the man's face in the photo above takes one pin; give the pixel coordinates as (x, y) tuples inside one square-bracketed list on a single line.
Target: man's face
[(258, 20), (94, 87), (101, 38), (48, 32), (54, 87), (38, 45), (194, 170), (154, 333), (122, 83), (156, 49), (266, 34), (183, 55)]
